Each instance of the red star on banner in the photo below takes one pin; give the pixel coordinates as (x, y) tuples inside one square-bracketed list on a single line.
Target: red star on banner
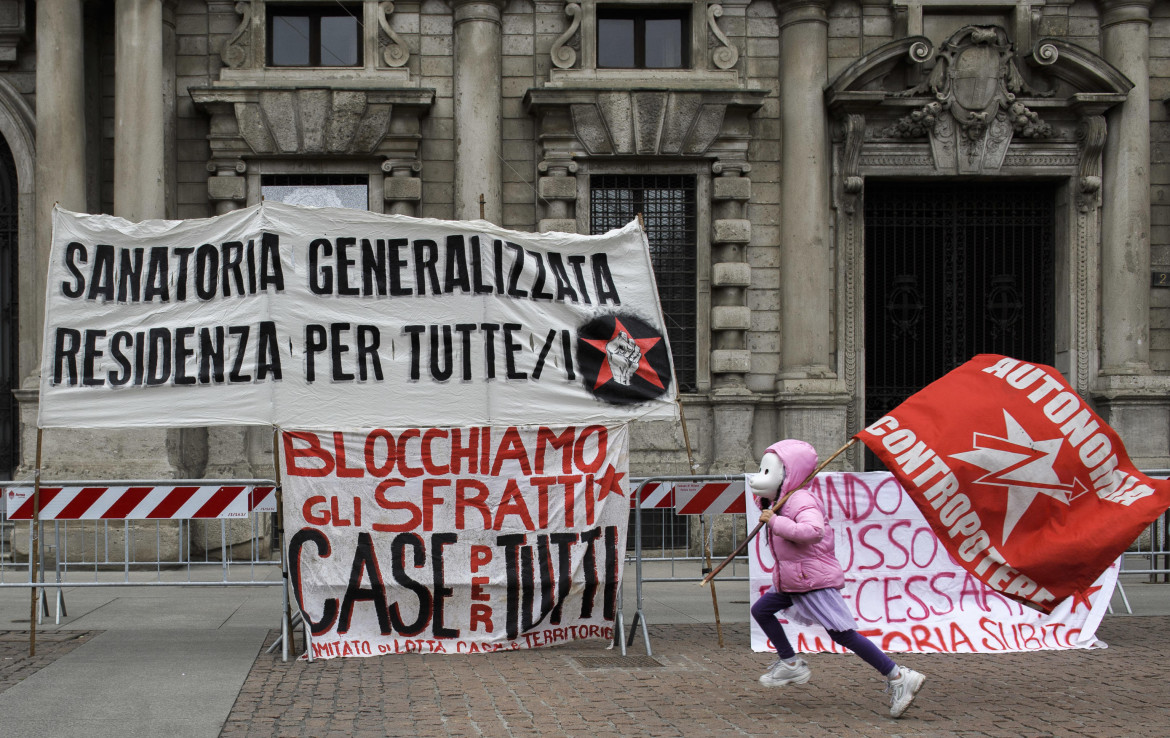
[(644, 344), (610, 482), (1083, 597)]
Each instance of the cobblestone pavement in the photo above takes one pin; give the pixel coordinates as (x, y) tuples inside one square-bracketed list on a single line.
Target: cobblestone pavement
[(16, 664), (702, 690)]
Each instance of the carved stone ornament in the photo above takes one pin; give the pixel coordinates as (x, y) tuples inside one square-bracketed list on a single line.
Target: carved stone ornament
[(237, 50), (279, 122), (974, 113), (726, 54), (394, 52), (564, 56)]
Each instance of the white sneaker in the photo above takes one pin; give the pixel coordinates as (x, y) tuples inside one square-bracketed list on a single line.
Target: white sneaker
[(781, 674), (903, 690)]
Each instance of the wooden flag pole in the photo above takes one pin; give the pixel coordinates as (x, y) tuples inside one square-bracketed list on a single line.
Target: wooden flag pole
[(286, 622), (775, 508), (34, 546)]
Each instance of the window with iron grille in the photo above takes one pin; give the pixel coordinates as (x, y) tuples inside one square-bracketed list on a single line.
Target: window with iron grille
[(667, 206), (318, 190)]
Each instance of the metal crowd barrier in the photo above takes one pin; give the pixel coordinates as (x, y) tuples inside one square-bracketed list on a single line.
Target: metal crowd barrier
[(1149, 555), (665, 546), (118, 550)]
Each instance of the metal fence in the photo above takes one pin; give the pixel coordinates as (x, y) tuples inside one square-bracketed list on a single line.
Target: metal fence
[(1149, 555), (240, 551), (673, 545)]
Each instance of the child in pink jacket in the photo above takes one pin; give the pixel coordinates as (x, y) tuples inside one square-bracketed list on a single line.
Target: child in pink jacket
[(807, 580)]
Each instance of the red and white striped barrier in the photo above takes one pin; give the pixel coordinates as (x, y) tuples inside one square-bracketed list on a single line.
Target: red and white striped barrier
[(693, 498), (655, 495), (703, 498), (141, 502)]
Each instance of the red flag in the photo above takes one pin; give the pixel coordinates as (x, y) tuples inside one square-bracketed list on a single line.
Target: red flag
[(1025, 485)]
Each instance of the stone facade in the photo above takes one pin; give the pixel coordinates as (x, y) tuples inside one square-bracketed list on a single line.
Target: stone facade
[(786, 111)]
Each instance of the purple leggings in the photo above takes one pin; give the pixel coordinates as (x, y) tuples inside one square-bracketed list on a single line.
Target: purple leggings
[(764, 612)]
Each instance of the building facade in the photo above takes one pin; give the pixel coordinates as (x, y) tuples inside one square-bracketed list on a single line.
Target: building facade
[(844, 198)]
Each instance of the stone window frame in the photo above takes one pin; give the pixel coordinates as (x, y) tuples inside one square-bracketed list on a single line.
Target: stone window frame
[(257, 168), (1025, 15), (319, 11), (639, 18), (574, 53), (701, 171), (385, 53)]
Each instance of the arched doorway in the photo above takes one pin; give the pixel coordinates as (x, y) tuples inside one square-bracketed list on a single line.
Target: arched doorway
[(9, 370)]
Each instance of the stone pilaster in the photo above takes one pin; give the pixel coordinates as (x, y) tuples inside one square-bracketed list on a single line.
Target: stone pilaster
[(402, 188), (478, 107), (226, 186), (558, 193), (1125, 215), (731, 275)]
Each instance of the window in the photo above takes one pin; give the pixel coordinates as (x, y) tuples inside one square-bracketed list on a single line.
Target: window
[(314, 36), (667, 206), (318, 190), (642, 39)]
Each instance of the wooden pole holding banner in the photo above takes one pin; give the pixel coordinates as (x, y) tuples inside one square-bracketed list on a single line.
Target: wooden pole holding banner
[(775, 508), (702, 524), (286, 623), (34, 546)]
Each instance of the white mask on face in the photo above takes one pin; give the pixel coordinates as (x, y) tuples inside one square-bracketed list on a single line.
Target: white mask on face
[(770, 478)]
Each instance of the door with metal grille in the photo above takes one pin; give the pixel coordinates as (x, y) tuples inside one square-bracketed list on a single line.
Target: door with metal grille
[(953, 270), (9, 418)]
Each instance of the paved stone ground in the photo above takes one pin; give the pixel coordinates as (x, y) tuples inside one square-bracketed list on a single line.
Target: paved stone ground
[(16, 664), (702, 690)]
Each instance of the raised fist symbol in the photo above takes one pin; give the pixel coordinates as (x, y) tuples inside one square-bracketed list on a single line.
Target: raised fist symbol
[(623, 355)]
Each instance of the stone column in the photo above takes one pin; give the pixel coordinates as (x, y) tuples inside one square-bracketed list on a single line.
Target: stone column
[(806, 269), (60, 160), (1129, 397), (478, 95), (1125, 215), (813, 400), (139, 113), (60, 177), (140, 190)]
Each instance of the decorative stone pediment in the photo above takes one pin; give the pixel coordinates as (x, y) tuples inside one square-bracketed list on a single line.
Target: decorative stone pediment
[(606, 122), (256, 121), (971, 106)]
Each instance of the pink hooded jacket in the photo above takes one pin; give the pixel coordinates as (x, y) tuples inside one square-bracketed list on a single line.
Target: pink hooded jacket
[(801, 540)]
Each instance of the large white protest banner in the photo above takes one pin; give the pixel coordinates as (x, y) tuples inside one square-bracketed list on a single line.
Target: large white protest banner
[(905, 590), (455, 540), (331, 318)]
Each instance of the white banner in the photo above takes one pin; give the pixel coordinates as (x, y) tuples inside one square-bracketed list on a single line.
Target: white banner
[(456, 540), (907, 593), (333, 318)]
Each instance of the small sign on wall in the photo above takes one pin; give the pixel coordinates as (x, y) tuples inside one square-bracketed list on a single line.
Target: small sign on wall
[(1160, 279)]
